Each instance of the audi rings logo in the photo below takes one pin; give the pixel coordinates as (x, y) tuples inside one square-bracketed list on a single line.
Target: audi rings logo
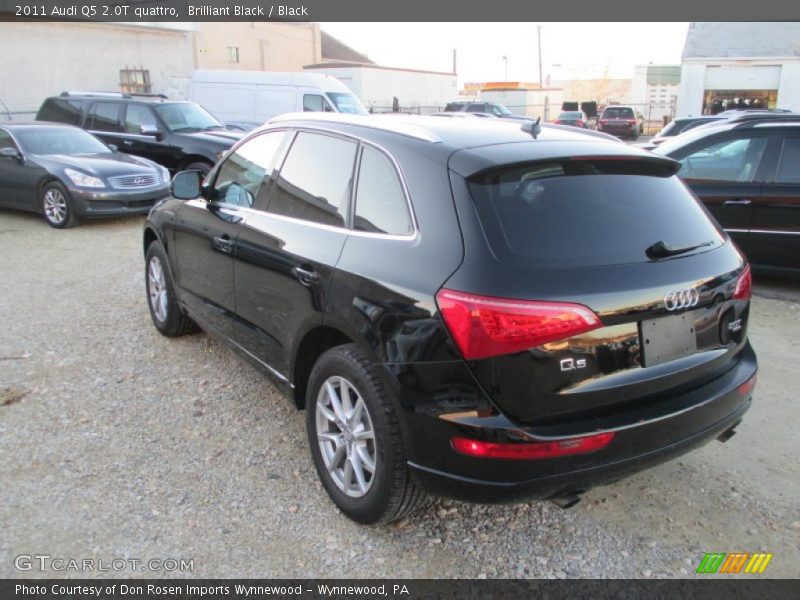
[(681, 299)]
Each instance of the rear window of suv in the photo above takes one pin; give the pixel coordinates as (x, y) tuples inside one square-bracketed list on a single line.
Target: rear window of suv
[(618, 113), (587, 213)]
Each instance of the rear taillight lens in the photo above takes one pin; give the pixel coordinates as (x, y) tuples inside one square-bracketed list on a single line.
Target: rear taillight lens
[(483, 326), (532, 450), (603, 121), (631, 121), (580, 123), (747, 387), (744, 286)]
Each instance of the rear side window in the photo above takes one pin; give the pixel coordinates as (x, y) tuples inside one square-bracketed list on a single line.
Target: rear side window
[(103, 116), (60, 111), (587, 213), (315, 180), (729, 160), (789, 166), (380, 201), (618, 113), (476, 108)]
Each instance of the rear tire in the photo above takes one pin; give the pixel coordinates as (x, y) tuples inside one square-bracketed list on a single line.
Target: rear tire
[(353, 428), (57, 207), (167, 315)]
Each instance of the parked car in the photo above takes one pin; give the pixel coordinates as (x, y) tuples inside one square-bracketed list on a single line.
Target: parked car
[(747, 173), (621, 121), (557, 312), (65, 174), (176, 134), (573, 118), (484, 108), (684, 124), (251, 98)]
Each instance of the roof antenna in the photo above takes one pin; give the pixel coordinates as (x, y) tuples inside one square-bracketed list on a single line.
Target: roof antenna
[(532, 127)]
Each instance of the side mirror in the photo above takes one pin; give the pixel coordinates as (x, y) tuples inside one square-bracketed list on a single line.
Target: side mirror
[(151, 130), (186, 185), (114, 147), (9, 152)]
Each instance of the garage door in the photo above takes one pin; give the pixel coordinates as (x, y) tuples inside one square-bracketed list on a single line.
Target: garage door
[(743, 78)]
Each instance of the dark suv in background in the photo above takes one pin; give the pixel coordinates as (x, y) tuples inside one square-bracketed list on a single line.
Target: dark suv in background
[(488, 312), (176, 134)]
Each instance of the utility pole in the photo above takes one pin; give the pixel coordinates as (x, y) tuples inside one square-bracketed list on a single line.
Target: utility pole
[(539, 38), (505, 59)]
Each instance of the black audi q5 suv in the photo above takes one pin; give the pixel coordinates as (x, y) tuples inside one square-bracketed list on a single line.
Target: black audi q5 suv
[(488, 311)]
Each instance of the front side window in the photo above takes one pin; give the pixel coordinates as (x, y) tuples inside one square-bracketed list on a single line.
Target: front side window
[(476, 108), (314, 183), (241, 175), (731, 160), (136, 116), (315, 103), (380, 201), (790, 159), (104, 116)]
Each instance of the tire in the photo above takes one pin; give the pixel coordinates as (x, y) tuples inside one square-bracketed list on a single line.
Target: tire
[(57, 207), (203, 167), (167, 315), (388, 494)]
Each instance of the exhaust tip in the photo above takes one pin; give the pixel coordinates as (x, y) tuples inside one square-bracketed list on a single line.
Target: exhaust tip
[(566, 501)]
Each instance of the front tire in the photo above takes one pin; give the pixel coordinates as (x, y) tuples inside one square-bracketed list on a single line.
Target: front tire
[(57, 208), (167, 315), (356, 444)]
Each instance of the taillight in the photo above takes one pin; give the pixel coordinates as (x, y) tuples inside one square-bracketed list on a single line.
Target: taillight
[(532, 450), (747, 387), (631, 121), (744, 286), (603, 121), (483, 326), (580, 123)]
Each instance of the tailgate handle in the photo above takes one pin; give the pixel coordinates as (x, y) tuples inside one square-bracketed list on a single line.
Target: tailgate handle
[(737, 202)]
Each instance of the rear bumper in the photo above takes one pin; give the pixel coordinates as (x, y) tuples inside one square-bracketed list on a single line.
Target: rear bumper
[(642, 439), (114, 203)]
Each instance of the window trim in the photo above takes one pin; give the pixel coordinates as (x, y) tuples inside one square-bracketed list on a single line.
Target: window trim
[(13, 140)]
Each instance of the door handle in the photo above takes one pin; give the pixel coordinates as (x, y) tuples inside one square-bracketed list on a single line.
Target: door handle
[(127, 143), (304, 276), (223, 243), (737, 202)]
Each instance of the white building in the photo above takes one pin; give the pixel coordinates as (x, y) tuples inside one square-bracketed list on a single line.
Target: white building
[(735, 65), (654, 90), (377, 87), (45, 59)]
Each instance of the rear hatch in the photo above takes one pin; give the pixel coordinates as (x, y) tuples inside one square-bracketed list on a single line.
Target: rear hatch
[(618, 119), (590, 284)]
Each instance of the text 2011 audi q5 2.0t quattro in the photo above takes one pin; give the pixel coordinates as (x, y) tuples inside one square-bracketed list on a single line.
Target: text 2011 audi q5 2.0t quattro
[(488, 311)]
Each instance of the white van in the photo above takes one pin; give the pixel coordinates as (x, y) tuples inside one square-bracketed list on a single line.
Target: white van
[(246, 99)]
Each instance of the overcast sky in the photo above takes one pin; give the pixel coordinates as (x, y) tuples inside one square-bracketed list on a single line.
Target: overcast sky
[(569, 50)]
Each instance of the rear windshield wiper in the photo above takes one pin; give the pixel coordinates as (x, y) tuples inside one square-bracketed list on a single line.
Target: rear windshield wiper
[(661, 250)]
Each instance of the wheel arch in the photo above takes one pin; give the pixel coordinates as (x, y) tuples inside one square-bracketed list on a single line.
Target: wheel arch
[(313, 344)]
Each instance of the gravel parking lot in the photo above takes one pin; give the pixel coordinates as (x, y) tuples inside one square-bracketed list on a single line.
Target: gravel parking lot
[(118, 443)]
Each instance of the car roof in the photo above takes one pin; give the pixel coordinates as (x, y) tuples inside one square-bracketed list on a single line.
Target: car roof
[(725, 126), (25, 125), (479, 143)]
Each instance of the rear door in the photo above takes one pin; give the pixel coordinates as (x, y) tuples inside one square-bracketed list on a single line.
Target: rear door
[(103, 121), (288, 248), (17, 180), (775, 230), (726, 173)]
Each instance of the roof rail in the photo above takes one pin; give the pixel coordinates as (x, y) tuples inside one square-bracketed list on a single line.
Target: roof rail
[(764, 118), (114, 94)]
